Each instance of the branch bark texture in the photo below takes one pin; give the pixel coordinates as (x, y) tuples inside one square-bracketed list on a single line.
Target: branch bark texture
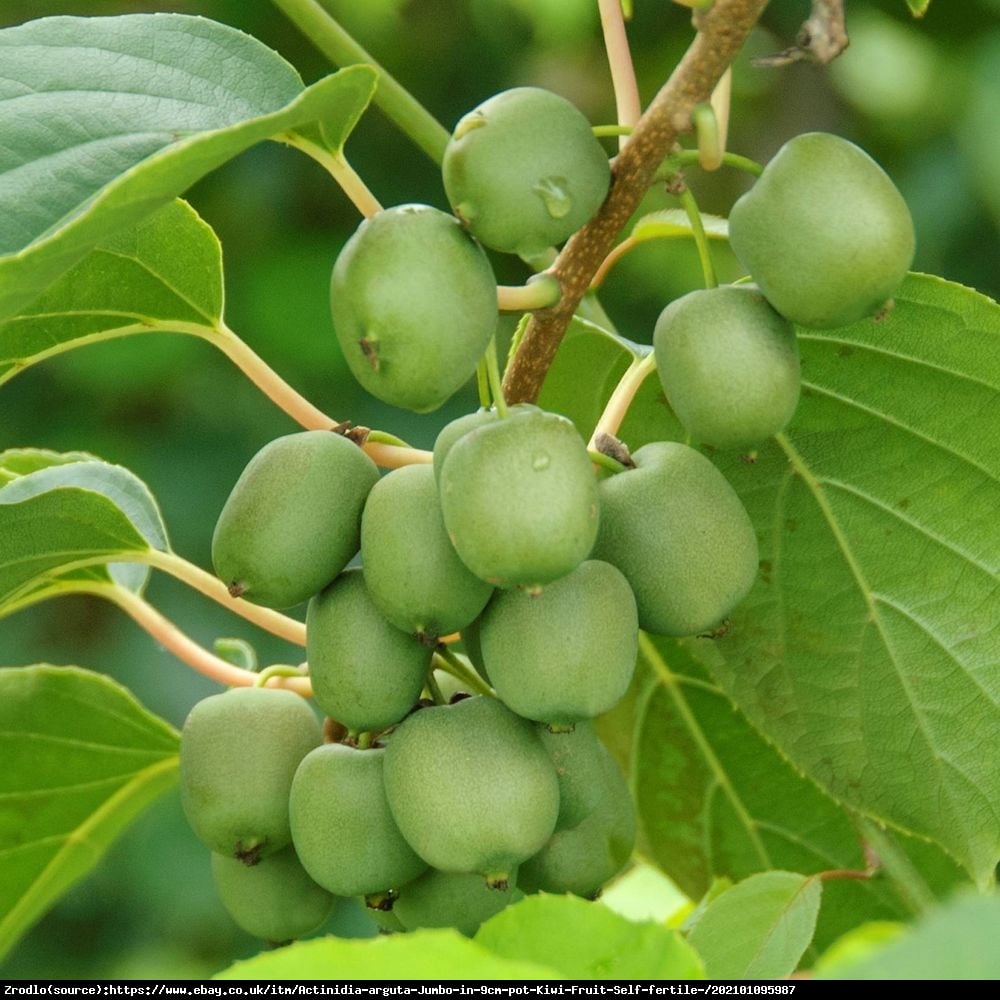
[(722, 30)]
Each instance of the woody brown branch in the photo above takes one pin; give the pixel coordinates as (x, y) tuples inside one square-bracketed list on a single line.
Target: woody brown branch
[(722, 30)]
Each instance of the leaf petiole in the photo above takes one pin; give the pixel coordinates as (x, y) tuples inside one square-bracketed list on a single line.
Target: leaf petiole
[(326, 33), (171, 638), (341, 171)]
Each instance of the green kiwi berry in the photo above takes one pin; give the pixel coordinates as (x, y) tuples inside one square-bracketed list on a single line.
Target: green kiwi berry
[(729, 365), (275, 900), (366, 673), (342, 828), (411, 569), (451, 899), (567, 653), (519, 499), (524, 171), (461, 426), (681, 536), (824, 232), (414, 305), (239, 752), (293, 520), (471, 787), (595, 832)]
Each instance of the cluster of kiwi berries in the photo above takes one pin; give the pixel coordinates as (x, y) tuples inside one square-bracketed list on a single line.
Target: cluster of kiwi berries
[(440, 811)]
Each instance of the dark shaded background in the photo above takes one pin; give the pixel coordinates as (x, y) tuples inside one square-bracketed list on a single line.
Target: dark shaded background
[(921, 96)]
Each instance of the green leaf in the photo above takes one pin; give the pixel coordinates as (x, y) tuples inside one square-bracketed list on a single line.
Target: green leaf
[(81, 759), (918, 7), (867, 650), (671, 223), (872, 627), (20, 461), (586, 369), (163, 274), (71, 519), (716, 801), (428, 954), (760, 928), (588, 941), (106, 119), (955, 942)]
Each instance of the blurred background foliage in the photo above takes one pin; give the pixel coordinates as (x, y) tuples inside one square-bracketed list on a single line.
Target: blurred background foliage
[(920, 95)]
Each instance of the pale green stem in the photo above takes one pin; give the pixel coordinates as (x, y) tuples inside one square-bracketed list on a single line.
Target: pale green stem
[(453, 664), (602, 131), (621, 399), (290, 400), (171, 638), (341, 171), (900, 870), (493, 371), (623, 80), (435, 689), (412, 118), (483, 383), (710, 147), (721, 101), (605, 461), (540, 292), (209, 585), (277, 670), (689, 157), (515, 341), (384, 437), (700, 239)]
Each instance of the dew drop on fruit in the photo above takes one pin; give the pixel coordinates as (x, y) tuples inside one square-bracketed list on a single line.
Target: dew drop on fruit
[(552, 191), (540, 461)]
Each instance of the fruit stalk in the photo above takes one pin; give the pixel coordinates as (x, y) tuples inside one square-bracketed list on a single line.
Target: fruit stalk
[(168, 635), (623, 79), (722, 30), (195, 577)]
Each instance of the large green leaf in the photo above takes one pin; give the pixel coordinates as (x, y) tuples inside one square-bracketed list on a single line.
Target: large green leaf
[(760, 928), (437, 954), (587, 941), (106, 119), (867, 650), (163, 274), (81, 759), (715, 800), (956, 942), (65, 520)]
